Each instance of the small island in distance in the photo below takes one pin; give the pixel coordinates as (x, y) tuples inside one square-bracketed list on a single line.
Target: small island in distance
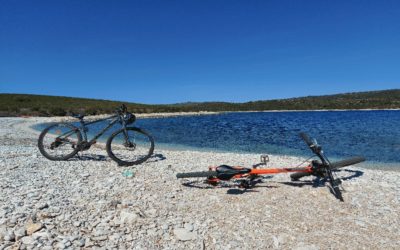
[(42, 105)]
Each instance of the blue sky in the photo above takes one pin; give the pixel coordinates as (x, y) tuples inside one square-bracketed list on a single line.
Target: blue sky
[(177, 51)]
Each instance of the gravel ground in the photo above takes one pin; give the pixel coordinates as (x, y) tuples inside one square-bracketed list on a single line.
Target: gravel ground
[(88, 203)]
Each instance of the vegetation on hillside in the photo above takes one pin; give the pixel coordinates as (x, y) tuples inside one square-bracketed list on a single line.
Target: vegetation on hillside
[(40, 105)]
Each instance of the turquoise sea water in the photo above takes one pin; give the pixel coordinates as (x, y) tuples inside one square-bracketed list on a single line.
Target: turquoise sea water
[(372, 134)]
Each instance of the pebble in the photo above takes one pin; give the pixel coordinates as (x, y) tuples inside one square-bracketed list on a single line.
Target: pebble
[(99, 238), (128, 217), (10, 236), (184, 234), (77, 223), (42, 206), (19, 233), (27, 240), (60, 245), (189, 226), (3, 232), (33, 227)]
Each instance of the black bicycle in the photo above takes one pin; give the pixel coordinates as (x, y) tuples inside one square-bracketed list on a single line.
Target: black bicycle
[(127, 146)]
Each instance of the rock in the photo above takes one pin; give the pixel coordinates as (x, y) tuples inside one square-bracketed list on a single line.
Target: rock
[(3, 232), (41, 234), (10, 236), (276, 241), (99, 238), (151, 232), (76, 223), (128, 237), (183, 234), (19, 233), (88, 243), (33, 227), (165, 227), (27, 240), (85, 175), (152, 213), (81, 242), (101, 232), (115, 237), (128, 217), (60, 245), (13, 221), (47, 215), (189, 226), (42, 206), (114, 203)]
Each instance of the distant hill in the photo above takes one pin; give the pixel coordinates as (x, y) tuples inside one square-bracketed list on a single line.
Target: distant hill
[(40, 105)]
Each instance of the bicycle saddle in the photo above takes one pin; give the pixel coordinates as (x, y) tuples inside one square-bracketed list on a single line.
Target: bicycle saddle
[(225, 172), (78, 116)]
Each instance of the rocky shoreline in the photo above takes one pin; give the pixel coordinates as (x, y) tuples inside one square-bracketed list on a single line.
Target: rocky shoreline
[(88, 203)]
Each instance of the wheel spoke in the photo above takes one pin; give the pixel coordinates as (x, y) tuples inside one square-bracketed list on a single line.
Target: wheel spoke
[(58, 141)]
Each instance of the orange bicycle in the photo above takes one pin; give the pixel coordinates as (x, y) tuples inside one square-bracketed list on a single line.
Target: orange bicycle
[(249, 177)]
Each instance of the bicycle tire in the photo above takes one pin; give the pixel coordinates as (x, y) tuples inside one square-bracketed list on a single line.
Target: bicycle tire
[(197, 174), (111, 152), (44, 152), (347, 162)]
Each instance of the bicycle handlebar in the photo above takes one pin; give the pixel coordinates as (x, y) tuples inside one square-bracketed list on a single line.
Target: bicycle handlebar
[(122, 109), (306, 138)]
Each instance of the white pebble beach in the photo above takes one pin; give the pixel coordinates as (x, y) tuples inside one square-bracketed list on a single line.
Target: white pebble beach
[(88, 203)]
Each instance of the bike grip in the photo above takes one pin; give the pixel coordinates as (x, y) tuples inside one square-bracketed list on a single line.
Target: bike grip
[(347, 162), (297, 176), (305, 138), (197, 174), (180, 175)]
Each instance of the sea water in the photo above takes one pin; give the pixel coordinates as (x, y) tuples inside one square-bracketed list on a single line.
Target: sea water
[(372, 134)]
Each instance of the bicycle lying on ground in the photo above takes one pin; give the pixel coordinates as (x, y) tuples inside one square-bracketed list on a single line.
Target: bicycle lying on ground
[(249, 177), (127, 146)]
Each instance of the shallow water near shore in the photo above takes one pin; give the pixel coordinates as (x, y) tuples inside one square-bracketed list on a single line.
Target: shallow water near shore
[(372, 134)]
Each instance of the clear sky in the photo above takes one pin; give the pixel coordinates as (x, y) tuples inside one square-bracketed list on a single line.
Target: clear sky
[(177, 51)]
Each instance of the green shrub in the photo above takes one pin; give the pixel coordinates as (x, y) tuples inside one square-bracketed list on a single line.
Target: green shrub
[(57, 111)]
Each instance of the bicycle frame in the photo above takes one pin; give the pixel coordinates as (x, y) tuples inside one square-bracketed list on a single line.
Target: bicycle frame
[(83, 128), (262, 171)]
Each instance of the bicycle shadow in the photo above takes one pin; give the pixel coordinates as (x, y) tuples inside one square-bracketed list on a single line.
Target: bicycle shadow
[(89, 157), (320, 182), (232, 188), (156, 158), (99, 157)]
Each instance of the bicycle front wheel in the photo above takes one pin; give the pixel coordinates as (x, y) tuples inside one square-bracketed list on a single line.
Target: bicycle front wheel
[(59, 141), (129, 148)]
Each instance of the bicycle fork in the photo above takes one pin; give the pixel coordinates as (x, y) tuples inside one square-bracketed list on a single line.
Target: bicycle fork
[(128, 142)]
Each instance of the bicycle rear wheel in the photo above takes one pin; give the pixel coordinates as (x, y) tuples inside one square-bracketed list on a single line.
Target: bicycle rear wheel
[(132, 148), (59, 141)]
